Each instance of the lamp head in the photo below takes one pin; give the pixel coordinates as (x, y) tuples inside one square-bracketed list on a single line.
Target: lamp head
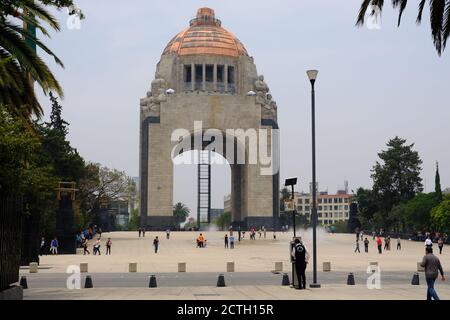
[(312, 75)]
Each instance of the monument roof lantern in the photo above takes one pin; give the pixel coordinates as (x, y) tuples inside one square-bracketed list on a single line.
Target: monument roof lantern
[(205, 36)]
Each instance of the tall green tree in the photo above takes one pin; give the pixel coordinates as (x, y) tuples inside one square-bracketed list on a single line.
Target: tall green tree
[(440, 216), (437, 184), (439, 17), (418, 211), (367, 206), (180, 213), (396, 178), (223, 221)]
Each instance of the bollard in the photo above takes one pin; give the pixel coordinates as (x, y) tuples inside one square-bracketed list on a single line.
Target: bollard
[(351, 279), (374, 264), (230, 266), (80, 251), (327, 267), (419, 267), (181, 266), (132, 267), (83, 267), (221, 281), (33, 267), (88, 282), (278, 266), (285, 281), (152, 283), (415, 279), (23, 282)]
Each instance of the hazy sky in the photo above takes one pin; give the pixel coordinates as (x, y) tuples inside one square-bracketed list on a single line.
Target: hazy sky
[(372, 84)]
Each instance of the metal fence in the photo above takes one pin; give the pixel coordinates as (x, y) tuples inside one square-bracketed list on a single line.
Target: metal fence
[(10, 239)]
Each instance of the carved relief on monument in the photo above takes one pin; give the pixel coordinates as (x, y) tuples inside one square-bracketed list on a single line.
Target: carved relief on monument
[(151, 105), (263, 98)]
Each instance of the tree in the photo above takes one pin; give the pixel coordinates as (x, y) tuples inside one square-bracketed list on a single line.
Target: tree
[(418, 209), (180, 213), (439, 17), (367, 206), (19, 63), (440, 216), (396, 179), (223, 221), (285, 195), (437, 184)]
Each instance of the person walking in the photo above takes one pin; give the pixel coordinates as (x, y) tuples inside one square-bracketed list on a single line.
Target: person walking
[(366, 245), (42, 247), (168, 234), (264, 231), (108, 246), (226, 241), (97, 246), (357, 246), (139, 231), (231, 242), (428, 242), (433, 267), (54, 246), (440, 245), (301, 256), (85, 246), (386, 243), (373, 235), (379, 244), (143, 231), (156, 244), (399, 243)]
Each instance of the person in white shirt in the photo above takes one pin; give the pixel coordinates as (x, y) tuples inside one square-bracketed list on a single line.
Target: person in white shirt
[(428, 242)]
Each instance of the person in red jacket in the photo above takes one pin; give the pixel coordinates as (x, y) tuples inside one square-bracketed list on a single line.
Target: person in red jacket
[(379, 244)]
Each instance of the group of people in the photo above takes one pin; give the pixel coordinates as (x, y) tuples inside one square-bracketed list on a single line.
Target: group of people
[(229, 241), (201, 241), (96, 247)]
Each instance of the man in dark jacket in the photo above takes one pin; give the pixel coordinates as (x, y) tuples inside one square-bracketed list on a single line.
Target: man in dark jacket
[(301, 257), (432, 267)]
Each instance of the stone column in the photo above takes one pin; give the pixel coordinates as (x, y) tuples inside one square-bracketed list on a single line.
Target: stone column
[(215, 77), (192, 76), (204, 77), (225, 77)]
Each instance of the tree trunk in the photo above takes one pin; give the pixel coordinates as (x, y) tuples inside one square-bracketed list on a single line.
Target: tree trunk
[(11, 209)]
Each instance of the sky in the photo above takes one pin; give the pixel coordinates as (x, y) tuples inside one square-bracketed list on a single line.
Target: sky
[(372, 85)]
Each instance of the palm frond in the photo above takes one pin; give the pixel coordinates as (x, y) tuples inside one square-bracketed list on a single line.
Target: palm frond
[(419, 15), (437, 8), (446, 26), (402, 5), (33, 8)]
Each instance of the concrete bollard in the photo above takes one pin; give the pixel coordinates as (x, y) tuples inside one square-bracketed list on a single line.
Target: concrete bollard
[(415, 279), (278, 266), (33, 267), (420, 268), (88, 283), (181, 266), (23, 282), (230, 266), (152, 283), (374, 263), (80, 251), (327, 267), (83, 267), (351, 279), (285, 281), (221, 281), (132, 267)]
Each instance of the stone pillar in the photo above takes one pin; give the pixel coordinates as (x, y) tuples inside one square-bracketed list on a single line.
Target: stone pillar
[(204, 77), (192, 76), (225, 77), (215, 77)]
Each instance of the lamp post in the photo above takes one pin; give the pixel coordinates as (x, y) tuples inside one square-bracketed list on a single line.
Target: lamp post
[(312, 75)]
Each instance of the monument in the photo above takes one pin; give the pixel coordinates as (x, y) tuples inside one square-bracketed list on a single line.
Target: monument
[(206, 78)]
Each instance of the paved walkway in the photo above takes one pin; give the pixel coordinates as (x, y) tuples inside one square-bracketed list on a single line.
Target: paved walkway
[(254, 259)]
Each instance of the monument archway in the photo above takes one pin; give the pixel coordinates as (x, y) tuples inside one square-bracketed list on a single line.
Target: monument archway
[(206, 91)]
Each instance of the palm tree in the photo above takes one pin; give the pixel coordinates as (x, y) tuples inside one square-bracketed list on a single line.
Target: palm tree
[(439, 17), (19, 62), (180, 213)]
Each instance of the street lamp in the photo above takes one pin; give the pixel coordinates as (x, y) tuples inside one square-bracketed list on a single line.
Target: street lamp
[(312, 75)]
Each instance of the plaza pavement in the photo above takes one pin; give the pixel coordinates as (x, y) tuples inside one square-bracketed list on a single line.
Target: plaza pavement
[(254, 259)]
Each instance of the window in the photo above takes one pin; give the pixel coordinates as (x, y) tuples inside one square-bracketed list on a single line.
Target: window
[(346, 200), (326, 214), (230, 75), (220, 72), (307, 201), (307, 208), (340, 200), (209, 73), (335, 208), (340, 207), (320, 200), (320, 208), (320, 215), (188, 73), (331, 215), (336, 200), (198, 76), (300, 201), (346, 207)]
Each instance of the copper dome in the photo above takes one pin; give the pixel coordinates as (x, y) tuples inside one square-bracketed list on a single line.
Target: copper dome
[(205, 36)]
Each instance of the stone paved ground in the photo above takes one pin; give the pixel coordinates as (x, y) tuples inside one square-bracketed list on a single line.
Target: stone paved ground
[(256, 256)]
